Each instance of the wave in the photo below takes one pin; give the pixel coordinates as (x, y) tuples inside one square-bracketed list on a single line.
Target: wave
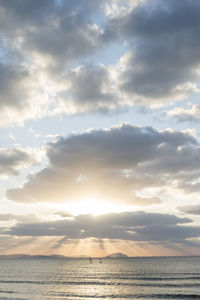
[(150, 278), (131, 296), (105, 283), (171, 296), (144, 278)]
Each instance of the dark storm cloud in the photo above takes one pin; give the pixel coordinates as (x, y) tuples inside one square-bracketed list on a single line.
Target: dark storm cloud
[(165, 48), (12, 160), (113, 164), (136, 226)]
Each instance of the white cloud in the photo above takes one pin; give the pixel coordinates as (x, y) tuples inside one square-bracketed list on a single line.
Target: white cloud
[(186, 114)]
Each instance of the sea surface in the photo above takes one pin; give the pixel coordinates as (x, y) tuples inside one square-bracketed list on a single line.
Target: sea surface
[(124, 278)]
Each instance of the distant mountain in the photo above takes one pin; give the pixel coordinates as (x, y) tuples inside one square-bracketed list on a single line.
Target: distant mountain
[(26, 256), (56, 256), (116, 255)]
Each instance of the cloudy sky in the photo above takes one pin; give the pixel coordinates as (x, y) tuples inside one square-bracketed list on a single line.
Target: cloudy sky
[(99, 126)]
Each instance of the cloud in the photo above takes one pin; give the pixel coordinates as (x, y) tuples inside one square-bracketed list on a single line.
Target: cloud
[(135, 226), (22, 94), (46, 47), (25, 219), (186, 114), (58, 30), (38, 40), (15, 92), (132, 229), (113, 165), (90, 88), (63, 214), (12, 160), (146, 201), (190, 209), (22, 11), (163, 60), (12, 85), (161, 65)]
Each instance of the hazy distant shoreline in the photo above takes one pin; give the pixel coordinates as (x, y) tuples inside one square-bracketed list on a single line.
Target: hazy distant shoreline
[(57, 256)]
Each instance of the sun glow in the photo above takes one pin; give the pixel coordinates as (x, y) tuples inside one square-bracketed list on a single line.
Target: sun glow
[(93, 206)]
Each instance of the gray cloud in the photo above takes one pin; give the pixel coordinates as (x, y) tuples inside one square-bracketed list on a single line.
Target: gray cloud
[(14, 92), (190, 184), (38, 40), (89, 89), (145, 229), (161, 64), (61, 30), (113, 165), (136, 226), (150, 18), (190, 209), (25, 219), (164, 56), (121, 147), (21, 11), (63, 214), (13, 159), (47, 40)]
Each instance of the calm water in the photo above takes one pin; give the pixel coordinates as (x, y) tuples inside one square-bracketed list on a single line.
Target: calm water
[(132, 278)]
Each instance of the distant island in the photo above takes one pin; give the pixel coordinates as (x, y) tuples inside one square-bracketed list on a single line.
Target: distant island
[(27, 256), (57, 256), (116, 255)]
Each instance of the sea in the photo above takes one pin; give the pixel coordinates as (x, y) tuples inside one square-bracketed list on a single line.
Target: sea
[(114, 278)]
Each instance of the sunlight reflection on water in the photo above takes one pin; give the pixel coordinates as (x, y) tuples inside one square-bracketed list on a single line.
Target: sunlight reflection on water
[(128, 278)]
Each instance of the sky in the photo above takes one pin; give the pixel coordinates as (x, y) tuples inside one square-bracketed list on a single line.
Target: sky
[(99, 127)]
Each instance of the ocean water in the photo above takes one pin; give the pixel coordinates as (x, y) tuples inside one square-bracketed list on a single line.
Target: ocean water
[(131, 278)]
